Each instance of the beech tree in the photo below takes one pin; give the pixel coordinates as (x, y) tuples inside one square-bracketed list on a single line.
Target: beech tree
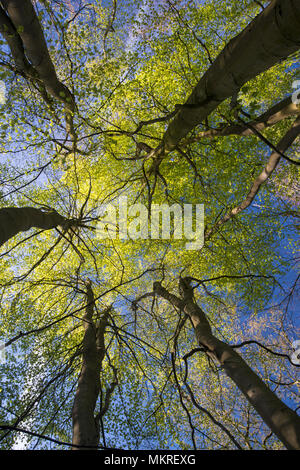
[(123, 340)]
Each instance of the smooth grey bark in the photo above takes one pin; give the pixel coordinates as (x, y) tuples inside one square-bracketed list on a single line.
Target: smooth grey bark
[(20, 219), (27, 26), (14, 42), (270, 38), (282, 421), (85, 423)]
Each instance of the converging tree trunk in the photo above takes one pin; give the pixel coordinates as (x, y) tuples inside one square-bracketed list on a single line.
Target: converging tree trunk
[(282, 421), (20, 219), (24, 35), (85, 423), (271, 37), (21, 28)]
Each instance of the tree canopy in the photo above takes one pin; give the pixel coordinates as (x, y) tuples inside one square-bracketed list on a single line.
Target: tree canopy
[(115, 336)]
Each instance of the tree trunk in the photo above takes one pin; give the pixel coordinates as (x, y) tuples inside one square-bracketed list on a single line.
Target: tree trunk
[(14, 42), (85, 425), (19, 219), (282, 421), (28, 29), (271, 37)]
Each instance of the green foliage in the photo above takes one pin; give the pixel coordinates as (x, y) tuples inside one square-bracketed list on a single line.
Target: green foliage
[(151, 63)]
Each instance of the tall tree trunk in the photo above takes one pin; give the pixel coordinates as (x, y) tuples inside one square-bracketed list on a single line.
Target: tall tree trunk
[(28, 30), (19, 219), (271, 37), (85, 424), (14, 42), (21, 28), (282, 421)]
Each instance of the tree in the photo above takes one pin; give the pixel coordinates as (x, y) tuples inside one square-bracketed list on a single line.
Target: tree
[(88, 312), (21, 219), (282, 420)]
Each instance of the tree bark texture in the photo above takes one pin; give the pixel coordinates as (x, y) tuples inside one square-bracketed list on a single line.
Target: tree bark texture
[(282, 421)]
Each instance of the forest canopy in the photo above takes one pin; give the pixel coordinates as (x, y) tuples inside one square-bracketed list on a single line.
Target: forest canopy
[(148, 224)]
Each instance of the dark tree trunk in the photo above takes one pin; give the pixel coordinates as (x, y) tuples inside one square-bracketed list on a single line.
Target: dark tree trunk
[(28, 31), (271, 37), (85, 423), (20, 219), (282, 421)]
